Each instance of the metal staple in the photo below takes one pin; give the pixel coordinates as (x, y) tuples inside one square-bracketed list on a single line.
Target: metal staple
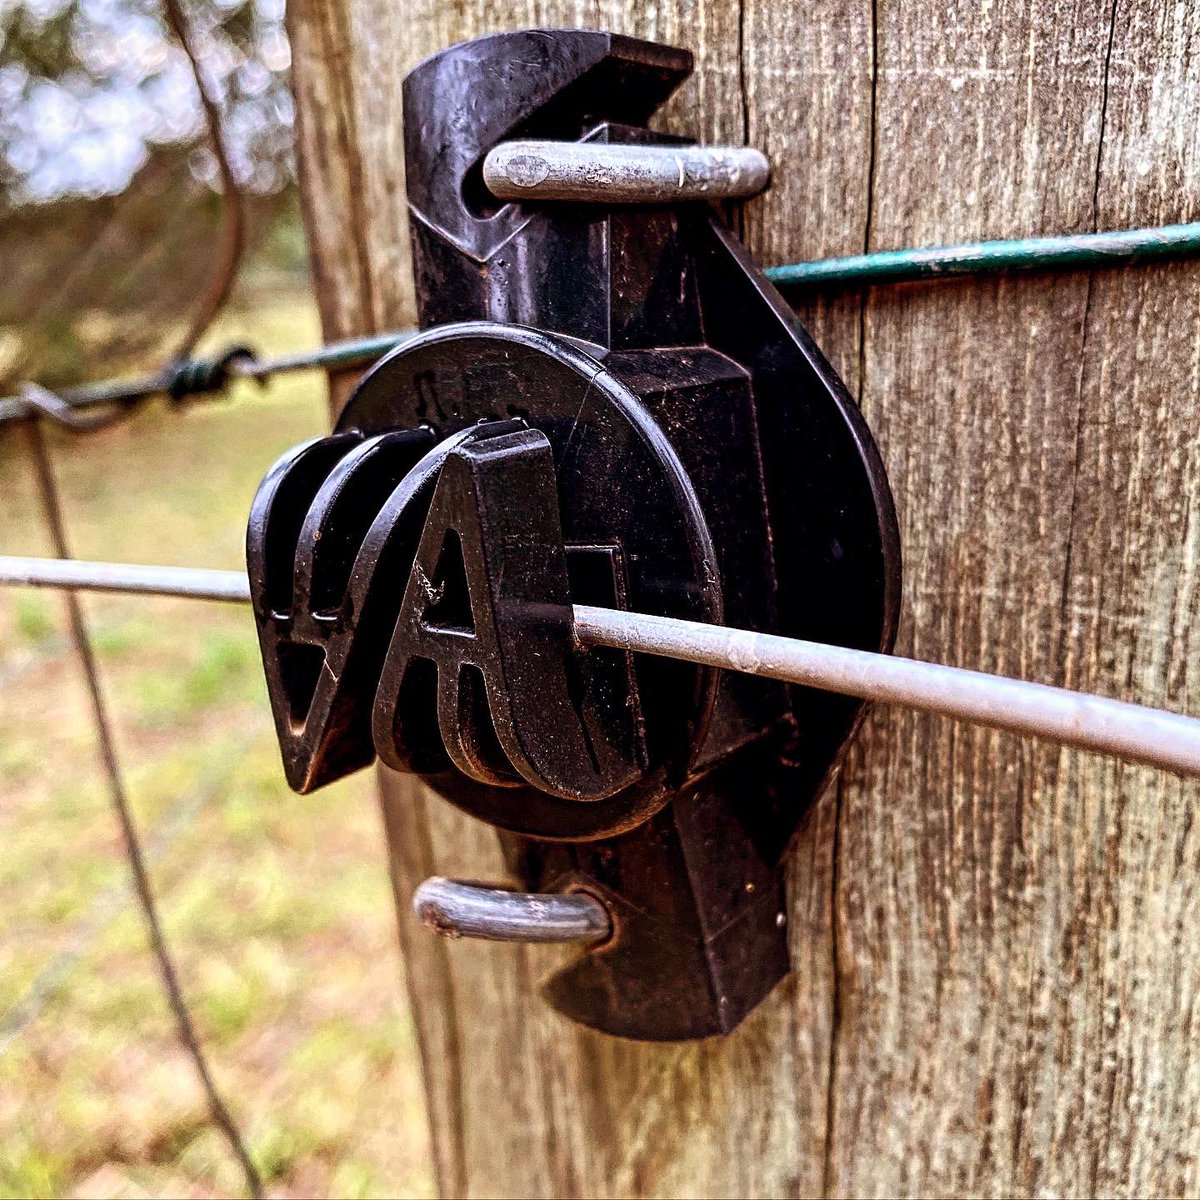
[(585, 172)]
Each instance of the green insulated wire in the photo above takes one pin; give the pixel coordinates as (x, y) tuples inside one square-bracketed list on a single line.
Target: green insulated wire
[(1078, 250)]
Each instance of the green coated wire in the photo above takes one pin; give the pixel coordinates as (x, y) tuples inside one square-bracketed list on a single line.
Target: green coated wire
[(1078, 251)]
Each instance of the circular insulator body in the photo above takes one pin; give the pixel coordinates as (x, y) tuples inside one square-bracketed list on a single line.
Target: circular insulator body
[(633, 529)]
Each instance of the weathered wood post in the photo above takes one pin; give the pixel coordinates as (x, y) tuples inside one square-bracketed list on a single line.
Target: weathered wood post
[(994, 989)]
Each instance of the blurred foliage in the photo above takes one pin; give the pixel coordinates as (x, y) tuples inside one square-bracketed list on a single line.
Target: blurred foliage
[(108, 213)]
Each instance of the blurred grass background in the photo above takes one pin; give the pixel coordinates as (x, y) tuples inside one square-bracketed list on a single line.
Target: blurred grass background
[(278, 907)]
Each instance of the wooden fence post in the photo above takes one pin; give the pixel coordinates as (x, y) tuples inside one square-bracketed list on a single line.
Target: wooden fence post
[(994, 987)]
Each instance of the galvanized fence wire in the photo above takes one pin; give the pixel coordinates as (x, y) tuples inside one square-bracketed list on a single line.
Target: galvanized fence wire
[(1139, 734), (187, 379)]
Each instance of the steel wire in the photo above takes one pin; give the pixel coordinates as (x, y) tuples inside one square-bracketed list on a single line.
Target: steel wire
[(1108, 248), (1133, 732), (196, 583), (354, 352)]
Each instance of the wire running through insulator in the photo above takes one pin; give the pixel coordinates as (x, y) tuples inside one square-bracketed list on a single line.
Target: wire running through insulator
[(613, 173), (1129, 731), (71, 574)]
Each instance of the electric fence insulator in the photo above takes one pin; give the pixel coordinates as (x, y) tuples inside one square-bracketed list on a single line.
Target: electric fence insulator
[(608, 405)]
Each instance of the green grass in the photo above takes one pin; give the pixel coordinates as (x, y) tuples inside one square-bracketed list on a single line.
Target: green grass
[(278, 907), (35, 625)]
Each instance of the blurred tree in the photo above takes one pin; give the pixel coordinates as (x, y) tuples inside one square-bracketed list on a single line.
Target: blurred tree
[(109, 189)]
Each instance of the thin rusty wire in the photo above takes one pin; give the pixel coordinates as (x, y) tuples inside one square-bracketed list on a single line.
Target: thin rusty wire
[(233, 209), (118, 794), (232, 241), (38, 400)]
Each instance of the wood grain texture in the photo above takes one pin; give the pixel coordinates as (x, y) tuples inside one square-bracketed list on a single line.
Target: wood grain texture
[(1015, 1013), (992, 989)]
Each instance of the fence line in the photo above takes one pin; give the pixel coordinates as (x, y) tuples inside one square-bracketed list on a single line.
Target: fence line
[(119, 796), (186, 377)]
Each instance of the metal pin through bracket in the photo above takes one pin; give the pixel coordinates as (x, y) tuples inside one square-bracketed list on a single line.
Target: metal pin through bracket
[(596, 172)]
